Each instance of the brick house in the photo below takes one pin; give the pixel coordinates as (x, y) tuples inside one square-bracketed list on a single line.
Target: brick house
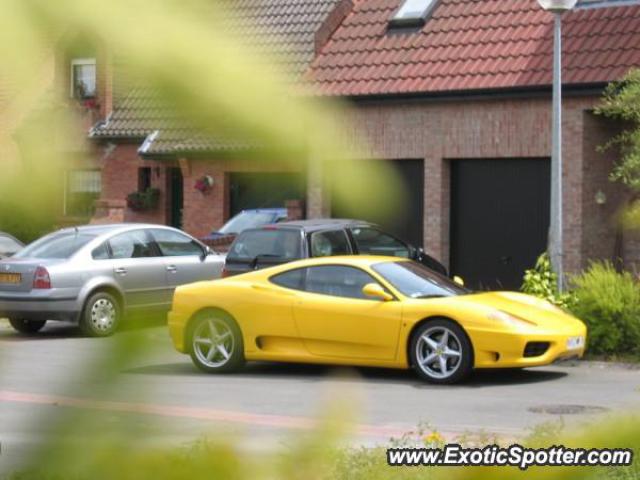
[(463, 91), (147, 144), (75, 77), (456, 96)]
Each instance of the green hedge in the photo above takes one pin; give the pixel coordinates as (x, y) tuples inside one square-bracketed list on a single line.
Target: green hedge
[(606, 300), (609, 303)]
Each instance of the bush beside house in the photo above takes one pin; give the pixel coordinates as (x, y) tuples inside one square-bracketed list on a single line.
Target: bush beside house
[(606, 300), (609, 303)]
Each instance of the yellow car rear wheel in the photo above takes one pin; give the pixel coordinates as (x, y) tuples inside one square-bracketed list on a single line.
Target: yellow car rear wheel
[(441, 352), (216, 343)]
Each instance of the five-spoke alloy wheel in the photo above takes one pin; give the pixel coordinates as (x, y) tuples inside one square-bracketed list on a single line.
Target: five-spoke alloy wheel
[(441, 352), (216, 343)]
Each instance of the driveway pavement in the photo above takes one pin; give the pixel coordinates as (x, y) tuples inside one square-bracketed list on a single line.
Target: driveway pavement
[(162, 397)]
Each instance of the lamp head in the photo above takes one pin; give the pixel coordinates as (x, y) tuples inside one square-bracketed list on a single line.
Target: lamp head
[(558, 6)]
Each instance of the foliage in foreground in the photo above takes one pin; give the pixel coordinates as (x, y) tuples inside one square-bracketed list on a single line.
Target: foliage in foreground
[(317, 456)]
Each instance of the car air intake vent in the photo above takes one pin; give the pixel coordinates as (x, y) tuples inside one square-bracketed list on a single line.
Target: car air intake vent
[(536, 349)]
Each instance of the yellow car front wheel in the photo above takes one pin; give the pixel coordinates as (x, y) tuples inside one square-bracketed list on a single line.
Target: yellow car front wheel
[(216, 343), (441, 352)]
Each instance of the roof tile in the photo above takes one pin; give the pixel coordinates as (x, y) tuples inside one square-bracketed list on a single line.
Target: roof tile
[(284, 27), (474, 45)]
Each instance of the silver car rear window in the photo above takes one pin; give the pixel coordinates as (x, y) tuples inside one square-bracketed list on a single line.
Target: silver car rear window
[(56, 246)]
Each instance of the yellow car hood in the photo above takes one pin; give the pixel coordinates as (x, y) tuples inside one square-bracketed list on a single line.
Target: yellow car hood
[(543, 314)]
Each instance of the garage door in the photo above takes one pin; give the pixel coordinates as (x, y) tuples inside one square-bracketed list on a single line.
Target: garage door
[(499, 219), (407, 222), (264, 190)]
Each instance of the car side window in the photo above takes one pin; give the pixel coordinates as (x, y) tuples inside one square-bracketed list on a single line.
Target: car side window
[(371, 241), (338, 281), (101, 252), (135, 244), (293, 279), (176, 244), (326, 244)]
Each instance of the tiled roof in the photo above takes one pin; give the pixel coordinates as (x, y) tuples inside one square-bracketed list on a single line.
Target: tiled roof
[(474, 45), (287, 27)]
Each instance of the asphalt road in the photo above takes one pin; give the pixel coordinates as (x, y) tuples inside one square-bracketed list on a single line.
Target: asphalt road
[(159, 395)]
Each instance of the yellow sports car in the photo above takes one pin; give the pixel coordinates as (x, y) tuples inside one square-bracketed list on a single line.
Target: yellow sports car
[(367, 311)]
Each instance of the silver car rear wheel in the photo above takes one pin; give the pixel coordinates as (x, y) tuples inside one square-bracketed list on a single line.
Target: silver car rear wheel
[(101, 315)]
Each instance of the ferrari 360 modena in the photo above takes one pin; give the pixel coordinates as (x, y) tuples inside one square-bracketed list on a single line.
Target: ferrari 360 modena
[(367, 311)]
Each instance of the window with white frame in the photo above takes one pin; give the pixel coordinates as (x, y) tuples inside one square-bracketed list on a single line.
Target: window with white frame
[(83, 188), (83, 78), (413, 13)]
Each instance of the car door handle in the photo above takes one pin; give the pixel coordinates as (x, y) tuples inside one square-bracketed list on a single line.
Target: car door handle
[(121, 271), (171, 268)]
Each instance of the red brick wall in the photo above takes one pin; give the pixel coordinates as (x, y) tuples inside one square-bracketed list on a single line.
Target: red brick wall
[(441, 132), (204, 212), (120, 177), (601, 220)]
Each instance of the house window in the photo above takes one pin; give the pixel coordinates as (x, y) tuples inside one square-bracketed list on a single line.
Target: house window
[(83, 78), (83, 188), (144, 179), (413, 13)]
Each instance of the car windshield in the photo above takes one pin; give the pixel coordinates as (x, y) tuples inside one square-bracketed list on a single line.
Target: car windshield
[(246, 220), (56, 245), (8, 245), (417, 281), (279, 244)]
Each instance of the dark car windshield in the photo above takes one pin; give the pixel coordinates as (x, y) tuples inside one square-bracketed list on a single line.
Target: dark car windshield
[(417, 281), (280, 244), (56, 245), (246, 220)]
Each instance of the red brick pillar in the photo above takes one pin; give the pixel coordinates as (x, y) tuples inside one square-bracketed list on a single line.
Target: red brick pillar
[(318, 200), (437, 208), (203, 211)]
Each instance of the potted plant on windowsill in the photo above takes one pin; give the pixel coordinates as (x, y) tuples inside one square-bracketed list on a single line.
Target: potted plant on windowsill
[(85, 98), (143, 201)]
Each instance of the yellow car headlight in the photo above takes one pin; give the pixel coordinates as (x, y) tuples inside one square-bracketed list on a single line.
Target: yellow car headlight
[(509, 319)]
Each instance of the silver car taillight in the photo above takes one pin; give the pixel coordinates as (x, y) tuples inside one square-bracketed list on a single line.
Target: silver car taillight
[(41, 279)]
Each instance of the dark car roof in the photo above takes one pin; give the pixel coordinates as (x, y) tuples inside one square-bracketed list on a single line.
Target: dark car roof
[(315, 224)]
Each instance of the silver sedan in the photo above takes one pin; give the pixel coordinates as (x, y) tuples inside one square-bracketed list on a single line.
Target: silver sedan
[(94, 275)]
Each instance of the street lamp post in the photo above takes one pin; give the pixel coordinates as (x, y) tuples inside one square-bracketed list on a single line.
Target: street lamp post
[(558, 8)]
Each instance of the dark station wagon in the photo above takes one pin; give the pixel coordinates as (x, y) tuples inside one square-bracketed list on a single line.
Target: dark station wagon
[(288, 241)]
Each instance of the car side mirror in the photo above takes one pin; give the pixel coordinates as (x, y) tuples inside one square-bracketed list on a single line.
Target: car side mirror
[(376, 291), (458, 280)]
